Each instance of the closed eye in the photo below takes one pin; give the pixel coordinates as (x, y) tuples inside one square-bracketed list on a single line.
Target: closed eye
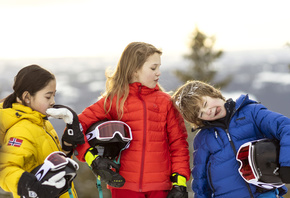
[(204, 105), (201, 115)]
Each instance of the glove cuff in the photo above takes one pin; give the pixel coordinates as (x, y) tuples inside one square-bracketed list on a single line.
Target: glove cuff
[(178, 180), (91, 155)]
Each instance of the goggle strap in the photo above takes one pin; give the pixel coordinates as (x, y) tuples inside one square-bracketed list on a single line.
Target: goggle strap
[(118, 158), (42, 171)]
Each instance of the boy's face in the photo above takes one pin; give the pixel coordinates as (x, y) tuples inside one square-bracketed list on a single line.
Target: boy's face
[(212, 108)]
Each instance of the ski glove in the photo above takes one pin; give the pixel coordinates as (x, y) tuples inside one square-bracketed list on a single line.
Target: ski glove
[(73, 132), (284, 173), (179, 187), (104, 169), (30, 187)]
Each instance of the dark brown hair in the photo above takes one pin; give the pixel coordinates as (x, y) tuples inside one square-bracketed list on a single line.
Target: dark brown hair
[(31, 78)]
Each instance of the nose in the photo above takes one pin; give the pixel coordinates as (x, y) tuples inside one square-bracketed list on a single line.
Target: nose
[(158, 72), (207, 111), (52, 102)]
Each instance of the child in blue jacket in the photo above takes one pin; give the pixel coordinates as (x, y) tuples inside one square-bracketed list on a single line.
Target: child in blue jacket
[(224, 125)]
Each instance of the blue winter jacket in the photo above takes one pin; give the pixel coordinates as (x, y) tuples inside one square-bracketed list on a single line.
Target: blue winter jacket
[(215, 172)]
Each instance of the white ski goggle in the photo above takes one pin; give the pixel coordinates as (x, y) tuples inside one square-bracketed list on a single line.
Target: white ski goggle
[(107, 131), (248, 169), (55, 161)]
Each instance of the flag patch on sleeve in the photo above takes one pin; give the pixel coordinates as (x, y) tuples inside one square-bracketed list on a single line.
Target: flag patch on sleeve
[(15, 142)]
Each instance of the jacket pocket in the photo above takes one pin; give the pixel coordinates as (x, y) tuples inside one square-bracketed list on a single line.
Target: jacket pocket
[(209, 177)]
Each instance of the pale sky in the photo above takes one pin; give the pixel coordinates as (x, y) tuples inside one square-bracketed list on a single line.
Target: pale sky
[(61, 28)]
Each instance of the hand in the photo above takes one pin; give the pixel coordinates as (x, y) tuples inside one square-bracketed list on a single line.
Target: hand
[(73, 134), (30, 187), (284, 173), (179, 187), (105, 169)]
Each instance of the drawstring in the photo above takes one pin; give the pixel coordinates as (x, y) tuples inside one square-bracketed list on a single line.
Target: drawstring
[(235, 151)]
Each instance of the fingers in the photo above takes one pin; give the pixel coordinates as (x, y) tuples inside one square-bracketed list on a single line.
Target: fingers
[(113, 165)]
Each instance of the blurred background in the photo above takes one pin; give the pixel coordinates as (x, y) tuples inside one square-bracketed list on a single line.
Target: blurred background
[(239, 46)]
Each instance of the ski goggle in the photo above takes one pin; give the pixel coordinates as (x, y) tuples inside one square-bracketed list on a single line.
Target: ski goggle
[(249, 170), (246, 169), (107, 131), (55, 161)]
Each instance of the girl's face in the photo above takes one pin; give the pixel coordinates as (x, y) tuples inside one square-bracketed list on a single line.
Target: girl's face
[(149, 74), (212, 108), (43, 99)]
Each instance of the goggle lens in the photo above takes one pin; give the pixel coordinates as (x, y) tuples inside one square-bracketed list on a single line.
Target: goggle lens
[(57, 159), (245, 169)]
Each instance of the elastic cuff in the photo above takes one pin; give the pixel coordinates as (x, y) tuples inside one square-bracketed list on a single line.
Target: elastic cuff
[(91, 155), (178, 180)]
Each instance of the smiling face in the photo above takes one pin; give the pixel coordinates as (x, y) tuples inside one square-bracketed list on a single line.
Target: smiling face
[(43, 99), (212, 108), (149, 73)]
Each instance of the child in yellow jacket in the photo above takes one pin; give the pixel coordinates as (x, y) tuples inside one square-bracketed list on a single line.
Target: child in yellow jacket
[(27, 137)]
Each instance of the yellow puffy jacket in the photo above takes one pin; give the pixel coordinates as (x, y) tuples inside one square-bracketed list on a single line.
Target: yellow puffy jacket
[(36, 139)]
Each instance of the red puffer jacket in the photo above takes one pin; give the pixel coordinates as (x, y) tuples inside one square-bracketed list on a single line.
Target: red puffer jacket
[(159, 147)]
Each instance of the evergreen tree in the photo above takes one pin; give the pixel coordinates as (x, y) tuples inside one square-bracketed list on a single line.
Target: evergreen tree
[(201, 58)]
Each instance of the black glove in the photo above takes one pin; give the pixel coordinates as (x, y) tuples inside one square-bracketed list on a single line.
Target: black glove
[(284, 173), (178, 192), (105, 169), (30, 187), (179, 187), (73, 132)]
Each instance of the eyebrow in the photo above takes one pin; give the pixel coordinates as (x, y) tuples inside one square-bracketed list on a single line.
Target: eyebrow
[(50, 92)]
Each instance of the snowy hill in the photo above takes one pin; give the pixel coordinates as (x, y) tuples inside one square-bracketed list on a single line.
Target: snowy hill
[(262, 74)]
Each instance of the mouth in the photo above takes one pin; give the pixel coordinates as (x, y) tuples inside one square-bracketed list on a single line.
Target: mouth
[(217, 111)]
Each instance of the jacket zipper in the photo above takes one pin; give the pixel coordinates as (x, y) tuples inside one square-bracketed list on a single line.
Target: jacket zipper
[(52, 138), (144, 141), (233, 145), (210, 179)]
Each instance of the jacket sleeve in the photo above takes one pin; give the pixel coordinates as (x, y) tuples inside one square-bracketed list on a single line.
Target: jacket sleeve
[(199, 183), (14, 159), (89, 116), (275, 125), (178, 144)]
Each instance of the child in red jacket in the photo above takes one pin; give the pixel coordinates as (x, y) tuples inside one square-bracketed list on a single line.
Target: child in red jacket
[(157, 162)]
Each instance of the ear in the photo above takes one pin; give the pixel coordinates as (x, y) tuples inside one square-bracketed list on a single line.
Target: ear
[(26, 97)]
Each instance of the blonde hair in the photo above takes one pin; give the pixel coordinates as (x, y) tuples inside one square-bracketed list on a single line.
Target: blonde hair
[(188, 99), (132, 59)]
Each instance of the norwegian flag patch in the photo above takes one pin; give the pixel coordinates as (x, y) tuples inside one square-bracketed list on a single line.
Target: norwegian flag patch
[(15, 142)]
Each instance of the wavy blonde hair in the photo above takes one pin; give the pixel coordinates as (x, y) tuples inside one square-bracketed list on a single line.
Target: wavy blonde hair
[(132, 59), (188, 99)]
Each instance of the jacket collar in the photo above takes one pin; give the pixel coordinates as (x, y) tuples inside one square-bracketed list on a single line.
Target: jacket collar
[(10, 116), (141, 89), (231, 108)]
